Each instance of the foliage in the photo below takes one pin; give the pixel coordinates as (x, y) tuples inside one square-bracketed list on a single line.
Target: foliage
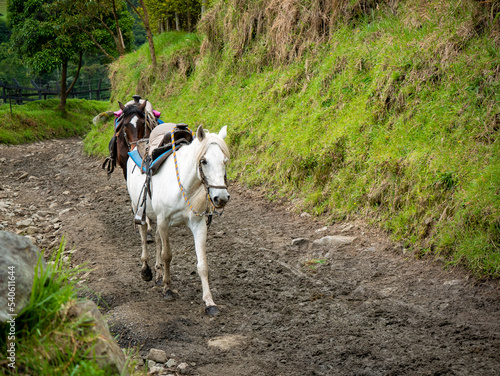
[(40, 120), (165, 11), (390, 113), (48, 34)]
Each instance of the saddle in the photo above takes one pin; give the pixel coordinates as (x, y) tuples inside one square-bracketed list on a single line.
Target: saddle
[(150, 155)]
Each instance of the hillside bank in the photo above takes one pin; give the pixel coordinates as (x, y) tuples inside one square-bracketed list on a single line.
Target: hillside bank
[(387, 111)]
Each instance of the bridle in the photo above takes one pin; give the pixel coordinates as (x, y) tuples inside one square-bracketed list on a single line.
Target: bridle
[(210, 212), (149, 123)]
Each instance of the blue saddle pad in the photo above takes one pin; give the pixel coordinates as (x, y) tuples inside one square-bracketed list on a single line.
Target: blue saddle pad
[(134, 154)]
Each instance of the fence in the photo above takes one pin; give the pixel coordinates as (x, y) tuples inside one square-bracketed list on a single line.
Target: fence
[(90, 89)]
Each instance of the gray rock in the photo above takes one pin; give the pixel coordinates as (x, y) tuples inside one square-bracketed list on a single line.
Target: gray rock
[(182, 368), (158, 356), (171, 363), (25, 222), (18, 260), (156, 369), (106, 351), (334, 241)]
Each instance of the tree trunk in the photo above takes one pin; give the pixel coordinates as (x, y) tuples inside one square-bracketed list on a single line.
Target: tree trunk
[(203, 6), (189, 20), (177, 22), (63, 94), (120, 44), (149, 35)]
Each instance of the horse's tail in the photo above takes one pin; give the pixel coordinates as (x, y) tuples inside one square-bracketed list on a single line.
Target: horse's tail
[(109, 163)]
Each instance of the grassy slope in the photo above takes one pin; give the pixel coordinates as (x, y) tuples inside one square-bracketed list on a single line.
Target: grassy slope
[(41, 120), (394, 119)]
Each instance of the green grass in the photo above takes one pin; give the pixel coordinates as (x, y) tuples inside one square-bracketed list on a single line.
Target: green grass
[(49, 341), (41, 120), (393, 120)]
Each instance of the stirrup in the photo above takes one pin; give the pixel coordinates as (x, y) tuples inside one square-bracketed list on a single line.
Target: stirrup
[(140, 216)]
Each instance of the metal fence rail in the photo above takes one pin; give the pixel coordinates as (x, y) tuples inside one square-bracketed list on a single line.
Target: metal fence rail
[(99, 89)]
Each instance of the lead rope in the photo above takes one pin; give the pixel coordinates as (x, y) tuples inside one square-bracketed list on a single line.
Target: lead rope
[(212, 211)]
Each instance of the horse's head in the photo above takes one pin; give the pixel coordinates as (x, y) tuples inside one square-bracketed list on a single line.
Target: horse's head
[(212, 159), (133, 123)]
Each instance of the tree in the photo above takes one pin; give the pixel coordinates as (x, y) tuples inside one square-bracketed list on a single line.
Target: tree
[(183, 12), (142, 12), (50, 34)]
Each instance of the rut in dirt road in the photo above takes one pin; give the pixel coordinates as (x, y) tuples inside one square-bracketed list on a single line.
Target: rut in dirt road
[(341, 300)]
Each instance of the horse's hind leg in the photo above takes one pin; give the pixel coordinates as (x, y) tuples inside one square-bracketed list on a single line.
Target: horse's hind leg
[(150, 238), (166, 256), (145, 270), (158, 264)]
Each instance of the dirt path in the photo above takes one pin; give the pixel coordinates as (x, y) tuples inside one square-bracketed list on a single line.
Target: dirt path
[(354, 307)]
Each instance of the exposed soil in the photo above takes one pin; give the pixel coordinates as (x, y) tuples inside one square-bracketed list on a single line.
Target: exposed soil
[(358, 307)]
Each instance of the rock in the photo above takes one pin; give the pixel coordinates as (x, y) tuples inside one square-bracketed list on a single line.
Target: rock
[(109, 356), (31, 230), (25, 222), (18, 260), (227, 342), (300, 241), (158, 356), (155, 370), (305, 215), (334, 241), (322, 229), (182, 368), (171, 363)]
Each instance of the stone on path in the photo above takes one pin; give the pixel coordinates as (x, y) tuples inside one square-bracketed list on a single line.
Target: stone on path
[(334, 240)]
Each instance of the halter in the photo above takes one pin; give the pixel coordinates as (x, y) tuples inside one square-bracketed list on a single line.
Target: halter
[(150, 123), (211, 211)]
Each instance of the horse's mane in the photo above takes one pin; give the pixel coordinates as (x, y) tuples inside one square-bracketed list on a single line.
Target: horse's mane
[(199, 196), (133, 110)]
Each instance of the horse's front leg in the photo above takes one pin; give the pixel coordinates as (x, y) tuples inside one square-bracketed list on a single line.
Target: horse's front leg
[(162, 229), (199, 230), (145, 270)]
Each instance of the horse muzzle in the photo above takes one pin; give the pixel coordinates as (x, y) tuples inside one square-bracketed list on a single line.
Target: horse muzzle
[(220, 197)]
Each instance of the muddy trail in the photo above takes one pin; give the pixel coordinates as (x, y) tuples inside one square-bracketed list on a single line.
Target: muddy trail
[(296, 297)]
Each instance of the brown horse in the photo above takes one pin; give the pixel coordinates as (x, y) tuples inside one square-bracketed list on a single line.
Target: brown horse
[(134, 124)]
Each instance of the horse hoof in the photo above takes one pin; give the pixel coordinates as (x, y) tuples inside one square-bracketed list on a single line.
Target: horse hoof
[(150, 238), (146, 274), (212, 311), (169, 296)]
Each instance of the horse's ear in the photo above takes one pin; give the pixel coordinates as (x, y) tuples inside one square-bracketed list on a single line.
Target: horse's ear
[(143, 105), (200, 133), (223, 132), (121, 105)]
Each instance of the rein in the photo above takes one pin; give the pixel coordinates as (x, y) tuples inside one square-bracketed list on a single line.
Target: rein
[(209, 213)]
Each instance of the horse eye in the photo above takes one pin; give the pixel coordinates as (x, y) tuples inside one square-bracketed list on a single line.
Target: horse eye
[(203, 161)]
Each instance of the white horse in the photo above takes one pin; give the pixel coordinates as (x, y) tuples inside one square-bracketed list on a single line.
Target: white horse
[(202, 173)]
